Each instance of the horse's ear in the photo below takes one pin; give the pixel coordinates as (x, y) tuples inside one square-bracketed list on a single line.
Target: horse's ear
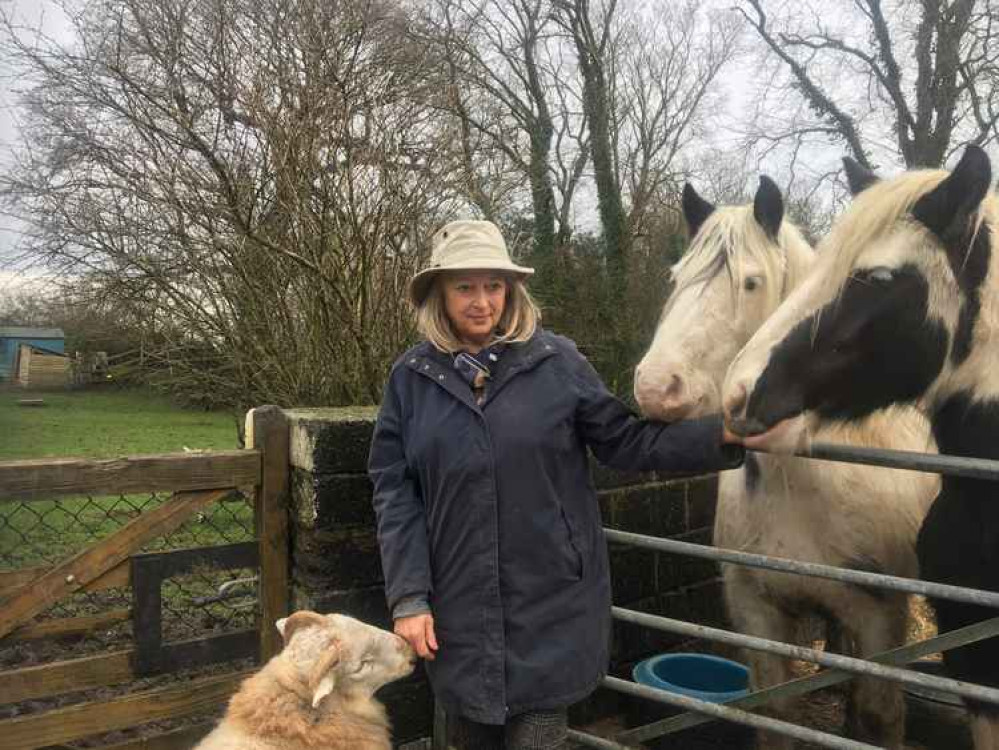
[(947, 209), (858, 177), (768, 206), (695, 209)]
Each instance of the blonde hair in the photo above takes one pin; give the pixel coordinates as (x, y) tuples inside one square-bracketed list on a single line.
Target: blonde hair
[(520, 319)]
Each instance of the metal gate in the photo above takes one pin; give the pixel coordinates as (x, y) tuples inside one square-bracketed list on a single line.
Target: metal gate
[(887, 665)]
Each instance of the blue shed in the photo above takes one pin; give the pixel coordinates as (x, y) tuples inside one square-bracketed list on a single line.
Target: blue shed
[(11, 337)]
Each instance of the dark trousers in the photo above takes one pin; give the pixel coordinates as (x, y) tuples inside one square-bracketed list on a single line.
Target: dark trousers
[(534, 730)]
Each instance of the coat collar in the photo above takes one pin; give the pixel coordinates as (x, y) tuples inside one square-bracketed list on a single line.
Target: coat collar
[(428, 361)]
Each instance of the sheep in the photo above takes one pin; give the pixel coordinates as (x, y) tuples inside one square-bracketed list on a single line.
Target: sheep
[(319, 691)]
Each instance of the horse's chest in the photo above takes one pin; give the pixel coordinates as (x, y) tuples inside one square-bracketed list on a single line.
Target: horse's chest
[(773, 517), (959, 540)]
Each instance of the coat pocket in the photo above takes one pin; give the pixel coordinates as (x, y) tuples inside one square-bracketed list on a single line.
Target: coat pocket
[(575, 555)]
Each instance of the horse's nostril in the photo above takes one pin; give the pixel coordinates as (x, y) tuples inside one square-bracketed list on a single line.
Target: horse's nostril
[(675, 387), (735, 404)]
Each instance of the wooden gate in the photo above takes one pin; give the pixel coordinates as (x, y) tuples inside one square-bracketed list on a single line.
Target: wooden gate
[(137, 638)]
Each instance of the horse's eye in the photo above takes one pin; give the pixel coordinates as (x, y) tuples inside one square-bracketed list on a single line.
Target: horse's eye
[(751, 283), (880, 275)]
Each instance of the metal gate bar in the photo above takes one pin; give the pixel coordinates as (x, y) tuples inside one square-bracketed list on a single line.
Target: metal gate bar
[(826, 678), (845, 575), (591, 740), (840, 668), (834, 661), (933, 463), (720, 711)]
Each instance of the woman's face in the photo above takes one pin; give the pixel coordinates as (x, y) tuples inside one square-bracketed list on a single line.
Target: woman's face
[(474, 301)]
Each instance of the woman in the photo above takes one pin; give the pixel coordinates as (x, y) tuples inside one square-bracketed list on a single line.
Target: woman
[(495, 564)]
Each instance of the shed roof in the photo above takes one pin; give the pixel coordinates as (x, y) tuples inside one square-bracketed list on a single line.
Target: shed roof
[(21, 332)]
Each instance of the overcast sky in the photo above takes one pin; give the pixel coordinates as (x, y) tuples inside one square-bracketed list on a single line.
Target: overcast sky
[(46, 16)]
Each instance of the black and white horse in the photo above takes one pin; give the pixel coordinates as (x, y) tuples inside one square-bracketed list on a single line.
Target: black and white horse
[(903, 307), (743, 261)]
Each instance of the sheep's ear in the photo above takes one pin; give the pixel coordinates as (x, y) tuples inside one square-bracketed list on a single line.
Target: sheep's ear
[(323, 678), (324, 688), (287, 626)]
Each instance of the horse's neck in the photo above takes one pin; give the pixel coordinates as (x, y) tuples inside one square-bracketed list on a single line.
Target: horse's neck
[(777, 480), (806, 481), (979, 373)]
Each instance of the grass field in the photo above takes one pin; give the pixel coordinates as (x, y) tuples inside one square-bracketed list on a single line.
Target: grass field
[(105, 424)]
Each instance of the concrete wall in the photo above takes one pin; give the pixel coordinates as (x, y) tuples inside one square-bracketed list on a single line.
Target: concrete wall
[(336, 565)]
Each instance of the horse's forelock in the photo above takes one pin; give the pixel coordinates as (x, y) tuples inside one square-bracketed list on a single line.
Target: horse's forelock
[(872, 215), (731, 239)]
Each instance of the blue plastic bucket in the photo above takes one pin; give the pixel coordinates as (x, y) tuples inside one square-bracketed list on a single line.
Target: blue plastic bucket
[(703, 676)]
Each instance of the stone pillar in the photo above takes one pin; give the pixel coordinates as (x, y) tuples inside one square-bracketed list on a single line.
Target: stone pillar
[(336, 565)]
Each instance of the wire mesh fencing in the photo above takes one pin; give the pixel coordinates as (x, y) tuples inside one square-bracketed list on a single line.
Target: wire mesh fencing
[(37, 534)]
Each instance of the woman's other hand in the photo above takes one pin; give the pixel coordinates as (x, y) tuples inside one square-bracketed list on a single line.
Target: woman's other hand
[(418, 630)]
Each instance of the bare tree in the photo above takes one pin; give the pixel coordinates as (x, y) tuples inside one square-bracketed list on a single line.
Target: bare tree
[(508, 93), (920, 74), (591, 34), (669, 57), (647, 77), (248, 181)]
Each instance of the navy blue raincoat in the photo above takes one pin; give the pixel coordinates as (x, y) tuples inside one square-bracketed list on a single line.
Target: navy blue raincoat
[(490, 512)]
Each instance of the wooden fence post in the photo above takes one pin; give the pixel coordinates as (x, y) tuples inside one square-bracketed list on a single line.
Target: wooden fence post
[(267, 431)]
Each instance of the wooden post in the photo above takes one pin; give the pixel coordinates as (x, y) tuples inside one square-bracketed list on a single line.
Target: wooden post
[(267, 431)]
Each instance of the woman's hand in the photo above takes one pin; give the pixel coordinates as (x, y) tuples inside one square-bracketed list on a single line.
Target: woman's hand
[(730, 438), (418, 630)]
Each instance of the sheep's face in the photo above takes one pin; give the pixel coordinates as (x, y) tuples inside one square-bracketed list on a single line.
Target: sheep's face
[(336, 653)]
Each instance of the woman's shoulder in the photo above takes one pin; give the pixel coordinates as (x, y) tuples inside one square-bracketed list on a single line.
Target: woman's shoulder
[(569, 359), (414, 354), (561, 344)]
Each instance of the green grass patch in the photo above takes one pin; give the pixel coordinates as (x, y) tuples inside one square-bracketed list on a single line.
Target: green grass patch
[(48, 531), (106, 424)]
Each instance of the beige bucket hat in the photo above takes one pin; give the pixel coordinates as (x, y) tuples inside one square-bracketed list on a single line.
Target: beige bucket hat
[(464, 245)]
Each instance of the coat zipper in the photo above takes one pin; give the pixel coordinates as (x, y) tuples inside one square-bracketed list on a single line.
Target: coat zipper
[(496, 557)]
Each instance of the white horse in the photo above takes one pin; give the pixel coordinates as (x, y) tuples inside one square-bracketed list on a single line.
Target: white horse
[(902, 308), (742, 262)]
